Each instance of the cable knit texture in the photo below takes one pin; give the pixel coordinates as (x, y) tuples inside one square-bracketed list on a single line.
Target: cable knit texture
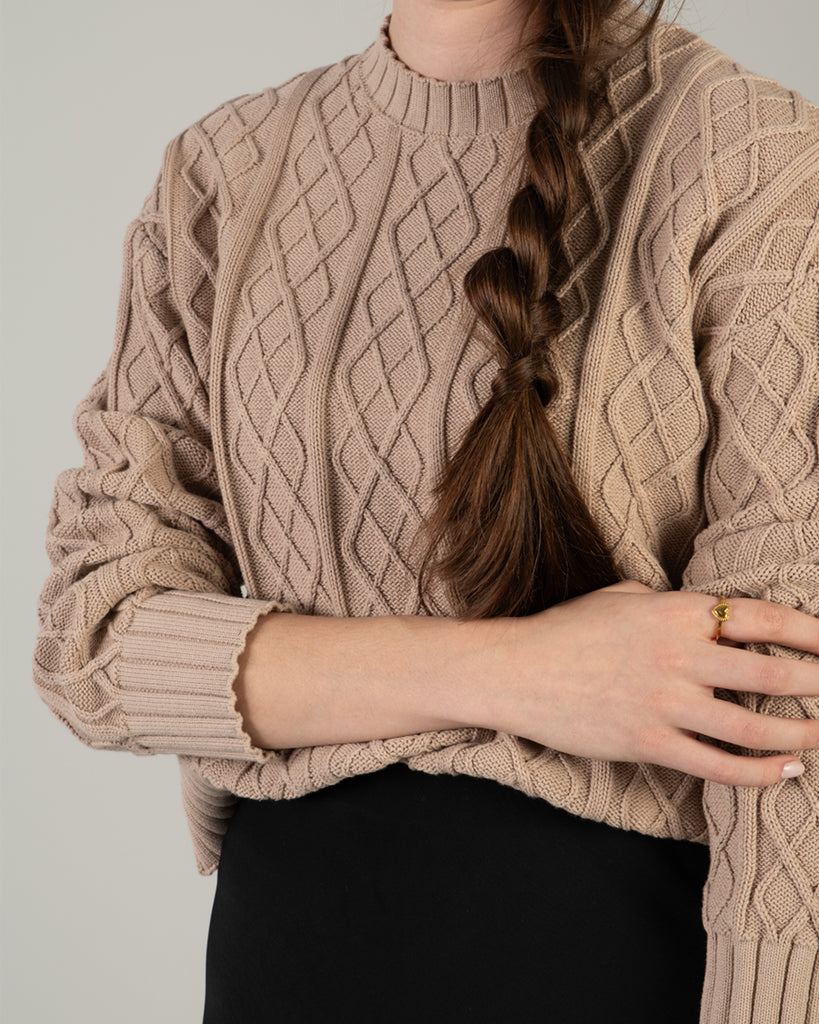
[(293, 361)]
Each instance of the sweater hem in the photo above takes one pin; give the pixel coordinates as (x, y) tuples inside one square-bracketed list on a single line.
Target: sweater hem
[(758, 981)]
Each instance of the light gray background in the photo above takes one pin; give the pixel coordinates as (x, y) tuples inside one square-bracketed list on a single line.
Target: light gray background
[(104, 916)]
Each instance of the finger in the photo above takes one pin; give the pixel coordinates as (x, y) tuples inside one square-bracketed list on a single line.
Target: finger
[(750, 729), (729, 668), (715, 765), (755, 621)]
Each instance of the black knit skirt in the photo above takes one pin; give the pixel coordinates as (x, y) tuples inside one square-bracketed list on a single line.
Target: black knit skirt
[(401, 897)]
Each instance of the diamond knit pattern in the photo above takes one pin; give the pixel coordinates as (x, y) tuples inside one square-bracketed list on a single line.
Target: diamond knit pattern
[(294, 360)]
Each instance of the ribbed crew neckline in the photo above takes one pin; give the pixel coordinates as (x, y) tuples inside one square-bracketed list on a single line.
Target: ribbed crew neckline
[(436, 107)]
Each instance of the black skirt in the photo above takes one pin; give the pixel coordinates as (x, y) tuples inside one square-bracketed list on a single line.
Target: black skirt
[(401, 897)]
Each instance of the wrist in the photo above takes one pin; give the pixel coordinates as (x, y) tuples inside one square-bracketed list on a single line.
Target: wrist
[(465, 668)]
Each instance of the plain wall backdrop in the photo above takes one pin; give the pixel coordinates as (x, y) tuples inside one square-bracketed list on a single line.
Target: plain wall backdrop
[(104, 916)]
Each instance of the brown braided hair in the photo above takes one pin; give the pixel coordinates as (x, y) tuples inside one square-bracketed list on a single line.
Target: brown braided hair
[(510, 533)]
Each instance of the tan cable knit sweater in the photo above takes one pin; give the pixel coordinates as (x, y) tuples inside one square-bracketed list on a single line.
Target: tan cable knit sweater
[(292, 362)]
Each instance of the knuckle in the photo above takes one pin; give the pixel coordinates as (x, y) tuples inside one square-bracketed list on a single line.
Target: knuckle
[(773, 618), (650, 743), (754, 732), (689, 608), (724, 773), (773, 676), (652, 703), (670, 661), (662, 708), (681, 605)]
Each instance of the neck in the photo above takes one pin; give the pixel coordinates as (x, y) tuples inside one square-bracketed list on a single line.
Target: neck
[(460, 40)]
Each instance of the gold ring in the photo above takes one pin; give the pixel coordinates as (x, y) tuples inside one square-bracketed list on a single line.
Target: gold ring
[(721, 613)]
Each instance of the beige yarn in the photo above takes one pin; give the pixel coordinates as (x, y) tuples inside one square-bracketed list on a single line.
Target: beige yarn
[(292, 364)]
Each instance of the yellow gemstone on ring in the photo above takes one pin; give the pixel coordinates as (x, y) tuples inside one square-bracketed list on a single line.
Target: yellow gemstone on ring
[(721, 611)]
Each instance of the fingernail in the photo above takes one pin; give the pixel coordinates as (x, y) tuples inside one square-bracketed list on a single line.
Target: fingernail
[(792, 769)]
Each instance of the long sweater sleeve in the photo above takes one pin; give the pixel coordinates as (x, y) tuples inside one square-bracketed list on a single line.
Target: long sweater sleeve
[(141, 619), (757, 321)]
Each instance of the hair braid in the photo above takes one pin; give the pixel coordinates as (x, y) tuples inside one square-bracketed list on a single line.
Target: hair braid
[(510, 533)]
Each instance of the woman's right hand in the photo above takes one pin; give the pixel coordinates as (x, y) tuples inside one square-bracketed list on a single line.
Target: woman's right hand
[(625, 673)]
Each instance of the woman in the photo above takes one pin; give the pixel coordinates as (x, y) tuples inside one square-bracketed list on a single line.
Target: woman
[(489, 356)]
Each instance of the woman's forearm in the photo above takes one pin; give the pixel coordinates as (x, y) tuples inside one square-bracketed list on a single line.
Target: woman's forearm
[(585, 677), (308, 680)]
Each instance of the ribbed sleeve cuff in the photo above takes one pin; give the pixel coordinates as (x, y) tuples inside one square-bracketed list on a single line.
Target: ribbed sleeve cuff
[(178, 661), (757, 981)]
